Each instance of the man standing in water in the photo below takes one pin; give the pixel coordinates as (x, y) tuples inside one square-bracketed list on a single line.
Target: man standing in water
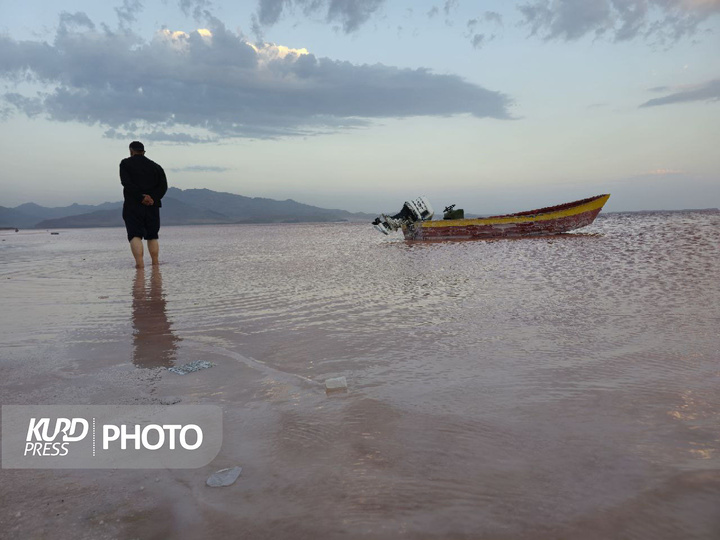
[(144, 185)]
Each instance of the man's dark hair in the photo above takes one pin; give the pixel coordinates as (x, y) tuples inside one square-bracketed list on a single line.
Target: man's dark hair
[(137, 146)]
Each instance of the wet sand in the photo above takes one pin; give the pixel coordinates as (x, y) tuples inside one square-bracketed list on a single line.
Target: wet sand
[(540, 389)]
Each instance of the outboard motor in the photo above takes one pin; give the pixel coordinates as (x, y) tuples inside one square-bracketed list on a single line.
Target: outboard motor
[(412, 211)]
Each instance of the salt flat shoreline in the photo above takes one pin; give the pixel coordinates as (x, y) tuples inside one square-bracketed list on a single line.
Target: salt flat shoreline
[(550, 389), (160, 504), (139, 503)]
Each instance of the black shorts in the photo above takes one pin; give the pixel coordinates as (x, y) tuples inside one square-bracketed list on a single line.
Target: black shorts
[(141, 221)]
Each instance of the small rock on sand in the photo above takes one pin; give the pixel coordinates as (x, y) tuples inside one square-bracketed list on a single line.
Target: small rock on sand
[(224, 477), (336, 385)]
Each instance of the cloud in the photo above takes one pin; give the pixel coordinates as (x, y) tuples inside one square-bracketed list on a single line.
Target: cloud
[(493, 16), (707, 91), (488, 16), (450, 5), (200, 168), (145, 132), (75, 20), (478, 40), (196, 8), (269, 11), (213, 83), (352, 14), (663, 20), (30, 106), (126, 14)]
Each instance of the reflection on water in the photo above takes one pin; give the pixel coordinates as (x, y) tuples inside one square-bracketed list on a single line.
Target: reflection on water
[(547, 388), (155, 344)]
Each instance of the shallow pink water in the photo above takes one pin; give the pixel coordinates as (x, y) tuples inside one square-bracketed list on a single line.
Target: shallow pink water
[(537, 388)]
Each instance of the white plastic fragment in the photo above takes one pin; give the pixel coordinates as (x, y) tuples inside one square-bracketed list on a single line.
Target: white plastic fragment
[(224, 477), (336, 384)]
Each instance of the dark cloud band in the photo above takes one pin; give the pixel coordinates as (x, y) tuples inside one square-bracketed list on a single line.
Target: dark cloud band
[(707, 91), (665, 20), (350, 13), (217, 84)]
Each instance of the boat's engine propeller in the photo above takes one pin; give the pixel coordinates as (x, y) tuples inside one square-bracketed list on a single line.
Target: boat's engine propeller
[(412, 211)]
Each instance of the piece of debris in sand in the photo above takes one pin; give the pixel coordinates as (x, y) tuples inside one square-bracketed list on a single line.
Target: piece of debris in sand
[(338, 384), (191, 367), (224, 477)]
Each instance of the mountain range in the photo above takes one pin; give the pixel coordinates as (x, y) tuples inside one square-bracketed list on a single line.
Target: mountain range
[(180, 207)]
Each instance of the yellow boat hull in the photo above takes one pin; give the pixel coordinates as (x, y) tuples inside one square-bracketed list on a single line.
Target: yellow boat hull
[(544, 221)]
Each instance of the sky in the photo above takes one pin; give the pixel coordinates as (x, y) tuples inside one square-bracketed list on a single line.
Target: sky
[(496, 106)]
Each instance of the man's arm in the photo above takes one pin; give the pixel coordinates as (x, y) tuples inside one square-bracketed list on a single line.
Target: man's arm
[(132, 191), (162, 186)]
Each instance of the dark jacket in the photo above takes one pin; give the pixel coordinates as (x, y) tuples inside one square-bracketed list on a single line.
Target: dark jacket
[(141, 176)]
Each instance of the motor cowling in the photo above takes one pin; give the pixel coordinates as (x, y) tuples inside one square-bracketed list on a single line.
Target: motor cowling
[(412, 211), (421, 208)]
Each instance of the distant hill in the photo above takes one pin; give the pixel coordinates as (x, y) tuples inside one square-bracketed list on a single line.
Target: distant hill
[(10, 217), (42, 212), (173, 211), (180, 207), (240, 209), (99, 218), (28, 215)]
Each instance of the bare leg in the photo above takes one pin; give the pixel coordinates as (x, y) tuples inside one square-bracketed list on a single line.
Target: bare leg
[(137, 250), (154, 249)]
